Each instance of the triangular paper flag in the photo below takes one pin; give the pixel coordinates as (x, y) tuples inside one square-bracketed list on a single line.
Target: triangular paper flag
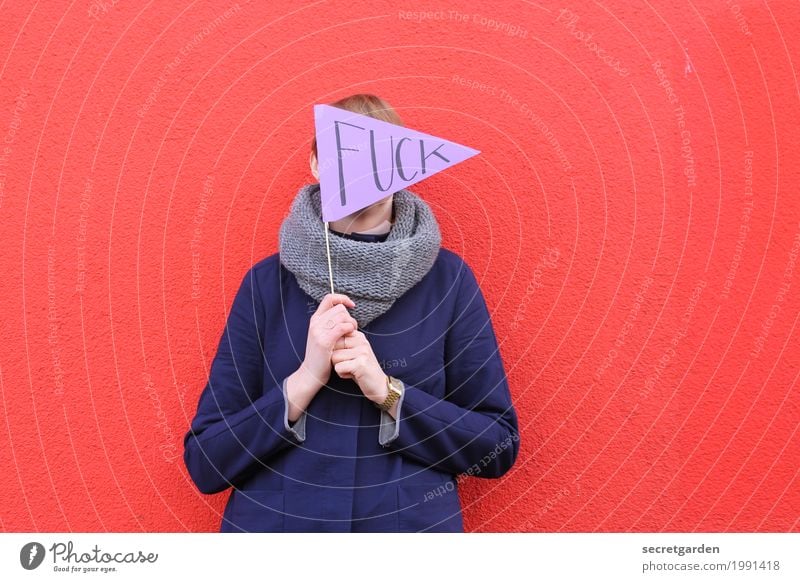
[(362, 160)]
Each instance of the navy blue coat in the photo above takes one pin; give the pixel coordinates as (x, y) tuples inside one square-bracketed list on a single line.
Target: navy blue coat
[(456, 416)]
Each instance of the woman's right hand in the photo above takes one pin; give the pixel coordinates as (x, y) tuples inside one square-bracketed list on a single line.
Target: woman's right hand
[(330, 321)]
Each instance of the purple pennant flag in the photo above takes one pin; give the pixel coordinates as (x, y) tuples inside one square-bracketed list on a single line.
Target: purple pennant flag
[(362, 160)]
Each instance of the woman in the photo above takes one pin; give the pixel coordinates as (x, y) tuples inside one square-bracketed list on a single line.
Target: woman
[(353, 411)]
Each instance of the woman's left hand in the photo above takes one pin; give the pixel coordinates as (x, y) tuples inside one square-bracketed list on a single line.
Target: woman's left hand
[(353, 358)]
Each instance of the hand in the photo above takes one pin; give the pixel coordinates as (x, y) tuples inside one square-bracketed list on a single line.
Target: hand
[(353, 358), (329, 322)]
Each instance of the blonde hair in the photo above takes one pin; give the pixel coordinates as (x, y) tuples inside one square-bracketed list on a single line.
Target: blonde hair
[(365, 104)]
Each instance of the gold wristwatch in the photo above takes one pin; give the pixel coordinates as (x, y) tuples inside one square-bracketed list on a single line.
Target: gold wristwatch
[(395, 392)]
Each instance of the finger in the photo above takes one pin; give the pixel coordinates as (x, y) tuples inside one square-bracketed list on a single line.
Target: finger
[(345, 367), (331, 318), (340, 342), (340, 329), (347, 318), (353, 339), (330, 329), (338, 311), (328, 313), (343, 355), (332, 299)]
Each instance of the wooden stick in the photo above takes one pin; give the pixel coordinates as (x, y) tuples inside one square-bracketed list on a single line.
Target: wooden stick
[(328, 249)]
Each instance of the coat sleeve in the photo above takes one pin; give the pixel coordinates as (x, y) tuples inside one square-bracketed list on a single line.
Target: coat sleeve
[(240, 422), (474, 428)]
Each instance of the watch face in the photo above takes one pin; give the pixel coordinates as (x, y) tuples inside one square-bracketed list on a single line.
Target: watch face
[(397, 385)]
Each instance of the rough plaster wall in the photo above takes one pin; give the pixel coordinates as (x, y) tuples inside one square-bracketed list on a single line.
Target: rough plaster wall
[(150, 156)]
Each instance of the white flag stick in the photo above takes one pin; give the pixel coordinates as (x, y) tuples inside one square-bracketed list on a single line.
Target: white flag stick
[(328, 249)]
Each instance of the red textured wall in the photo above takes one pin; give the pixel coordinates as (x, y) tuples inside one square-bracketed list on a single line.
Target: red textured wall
[(633, 220)]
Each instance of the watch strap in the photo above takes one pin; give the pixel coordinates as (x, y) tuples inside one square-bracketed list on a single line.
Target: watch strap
[(391, 398)]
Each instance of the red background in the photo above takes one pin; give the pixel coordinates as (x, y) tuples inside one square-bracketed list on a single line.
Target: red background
[(150, 154)]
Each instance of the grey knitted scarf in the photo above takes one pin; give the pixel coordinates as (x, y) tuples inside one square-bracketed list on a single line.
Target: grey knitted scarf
[(372, 274)]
